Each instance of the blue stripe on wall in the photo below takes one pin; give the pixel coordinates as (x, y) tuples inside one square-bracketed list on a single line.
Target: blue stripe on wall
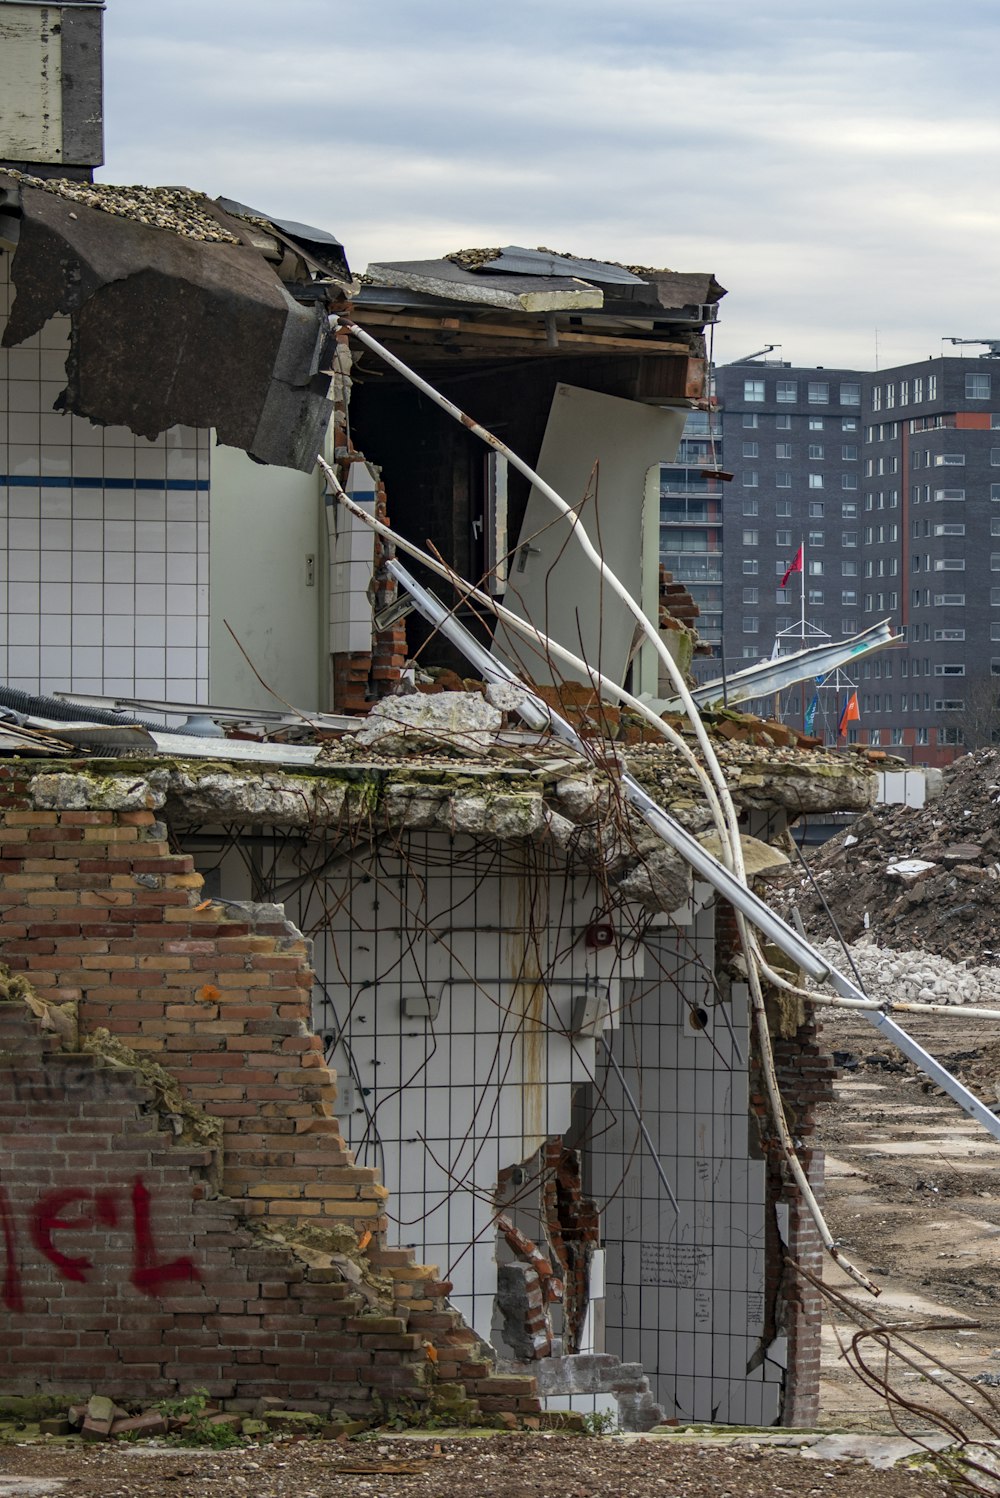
[(48, 481)]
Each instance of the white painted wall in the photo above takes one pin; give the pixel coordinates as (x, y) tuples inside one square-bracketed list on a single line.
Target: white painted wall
[(266, 524), (552, 583)]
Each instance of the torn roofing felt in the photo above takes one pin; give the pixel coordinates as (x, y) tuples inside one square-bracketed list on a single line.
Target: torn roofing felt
[(176, 319)]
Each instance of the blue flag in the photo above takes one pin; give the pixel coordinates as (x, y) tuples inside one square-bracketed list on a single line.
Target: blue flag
[(811, 714)]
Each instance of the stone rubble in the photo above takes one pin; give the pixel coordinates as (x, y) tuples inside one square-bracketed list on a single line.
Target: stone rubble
[(919, 884), (911, 977)]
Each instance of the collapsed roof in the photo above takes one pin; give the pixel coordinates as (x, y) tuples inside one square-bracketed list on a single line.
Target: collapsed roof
[(180, 313)]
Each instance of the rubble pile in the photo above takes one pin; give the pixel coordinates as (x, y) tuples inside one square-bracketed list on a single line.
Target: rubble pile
[(908, 880), (908, 977)]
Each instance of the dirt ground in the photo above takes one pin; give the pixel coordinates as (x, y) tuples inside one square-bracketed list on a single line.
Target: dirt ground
[(508, 1466), (913, 1196)]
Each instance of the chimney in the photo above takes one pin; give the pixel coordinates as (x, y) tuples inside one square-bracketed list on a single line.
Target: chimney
[(51, 87)]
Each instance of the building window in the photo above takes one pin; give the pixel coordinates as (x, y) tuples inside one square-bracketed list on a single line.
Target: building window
[(953, 600), (750, 538), (959, 634), (849, 452), (815, 481), (819, 393), (995, 492), (753, 390), (815, 451), (815, 509), (815, 538), (783, 480), (957, 564), (750, 595), (751, 449), (850, 393), (994, 632), (782, 449), (849, 569), (977, 387), (783, 423), (783, 509), (958, 529), (750, 420), (781, 594), (849, 596), (950, 494), (788, 392), (815, 423), (750, 507), (848, 626), (950, 670), (876, 397), (957, 460), (890, 397), (849, 510), (904, 392), (815, 569), (750, 566), (922, 737), (848, 538), (751, 624), (782, 538), (949, 704), (848, 481), (918, 390), (750, 478), (815, 596)]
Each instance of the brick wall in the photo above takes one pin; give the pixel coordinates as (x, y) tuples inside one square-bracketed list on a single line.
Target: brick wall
[(97, 912)]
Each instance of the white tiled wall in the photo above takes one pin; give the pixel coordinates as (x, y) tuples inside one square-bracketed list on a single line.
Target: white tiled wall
[(103, 540), (685, 1292)]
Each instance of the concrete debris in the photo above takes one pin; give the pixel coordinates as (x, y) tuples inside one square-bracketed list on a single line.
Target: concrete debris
[(179, 209), (925, 880), (461, 723), (911, 977)]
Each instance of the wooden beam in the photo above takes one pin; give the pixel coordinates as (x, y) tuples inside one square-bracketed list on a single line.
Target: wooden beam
[(453, 328)]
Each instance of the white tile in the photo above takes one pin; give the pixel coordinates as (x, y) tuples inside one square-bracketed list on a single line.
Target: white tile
[(88, 535), (55, 627), (119, 567), (182, 535), (88, 629), (150, 506), (151, 631), (24, 566), (119, 535), (56, 535), (23, 364), (88, 598), (183, 630), (119, 462), (119, 598), (87, 660), (182, 662), (181, 598), (151, 599), (87, 433), (23, 427), (150, 463), (56, 662), (22, 597), (23, 460), (22, 629), (88, 566), (150, 686), (52, 366), (22, 660), (182, 464), (56, 566), (150, 567), (56, 504), (49, 392), (88, 504), (119, 437), (182, 567), (150, 535), (57, 460), (118, 661), (119, 504), (55, 333)]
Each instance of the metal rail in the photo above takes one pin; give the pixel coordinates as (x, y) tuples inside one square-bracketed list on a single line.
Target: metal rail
[(538, 715)]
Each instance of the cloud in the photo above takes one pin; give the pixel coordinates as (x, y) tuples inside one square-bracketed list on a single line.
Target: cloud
[(831, 163)]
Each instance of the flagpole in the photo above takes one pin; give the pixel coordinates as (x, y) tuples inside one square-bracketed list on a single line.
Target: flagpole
[(802, 621)]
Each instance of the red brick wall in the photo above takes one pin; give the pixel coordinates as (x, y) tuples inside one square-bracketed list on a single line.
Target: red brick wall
[(95, 909)]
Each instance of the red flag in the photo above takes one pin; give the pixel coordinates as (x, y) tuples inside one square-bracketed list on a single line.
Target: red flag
[(851, 714), (796, 566)]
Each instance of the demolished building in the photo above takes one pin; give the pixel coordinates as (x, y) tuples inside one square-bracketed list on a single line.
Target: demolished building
[(383, 1058)]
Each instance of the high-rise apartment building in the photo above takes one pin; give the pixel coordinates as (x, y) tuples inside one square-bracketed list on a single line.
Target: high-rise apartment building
[(890, 483)]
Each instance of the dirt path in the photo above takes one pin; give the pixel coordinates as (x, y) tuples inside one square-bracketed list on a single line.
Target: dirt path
[(913, 1195)]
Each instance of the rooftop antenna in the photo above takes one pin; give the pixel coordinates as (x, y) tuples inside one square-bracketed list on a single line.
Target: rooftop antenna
[(992, 345)]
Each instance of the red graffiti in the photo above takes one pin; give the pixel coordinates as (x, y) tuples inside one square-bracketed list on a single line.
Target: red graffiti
[(48, 1216)]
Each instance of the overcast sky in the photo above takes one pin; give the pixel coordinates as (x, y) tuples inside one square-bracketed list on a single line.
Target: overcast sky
[(835, 165)]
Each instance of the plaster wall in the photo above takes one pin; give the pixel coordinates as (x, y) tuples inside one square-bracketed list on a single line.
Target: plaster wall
[(267, 584)]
